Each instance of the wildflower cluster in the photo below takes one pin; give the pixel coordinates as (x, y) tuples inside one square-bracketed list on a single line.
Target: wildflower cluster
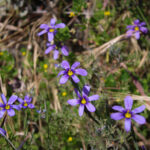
[(8, 107), (51, 31), (83, 99), (68, 72)]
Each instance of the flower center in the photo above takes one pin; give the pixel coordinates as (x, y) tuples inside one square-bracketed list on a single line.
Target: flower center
[(83, 101), (127, 114), (136, 28), (7, 107), (25, 104), (70, 73), (51, 30)]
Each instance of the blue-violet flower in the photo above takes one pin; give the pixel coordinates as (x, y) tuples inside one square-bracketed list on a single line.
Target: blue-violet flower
[(51, 46), (26, 103), (51, 30), (8, 106), (128, 114), (70, 72), (84, 100), (136, 29)]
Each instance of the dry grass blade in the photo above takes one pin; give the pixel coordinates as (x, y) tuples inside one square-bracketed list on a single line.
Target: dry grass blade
[(3, 87), (141, 98), (11, 27), (56, 102)]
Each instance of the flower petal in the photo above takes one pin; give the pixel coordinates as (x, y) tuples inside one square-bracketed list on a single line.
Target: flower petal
[(61, 72), (136, 21), (27, 98), (127, 125), (2, 132), (78, 93), (1, 105), (129, 33), (116, 116), (142, 24), (60, 25), (17, 107), (64, 79), (130, 27), (118, 108), (12, 99), (137, 35), (20, 100), (50, 36), (86, 90), (81, 110), (49, 49), (73, 102), (90, 107), (52, 22), (76, 64), (139, 119), (41, 33), (64, 50), (31, 106), (65, 64), (128, 102), (75, 78), (11, 112), (3, 98), (21, 106), (44, 26), (138, 109), (2, 112), (93, 97), (56, 53), (144, 29), (81, 72)]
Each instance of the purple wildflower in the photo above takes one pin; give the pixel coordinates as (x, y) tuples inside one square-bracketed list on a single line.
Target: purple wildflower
[(7, 106), (52, 46), (70, 72), (84, 100), (26, 102), (128, 114), (2, 132), (136, 29), (50, 30), (64, 50)]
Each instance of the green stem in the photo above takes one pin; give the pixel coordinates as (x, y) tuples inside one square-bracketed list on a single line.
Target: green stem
[(3, 120), (134, 139), (9, 142)]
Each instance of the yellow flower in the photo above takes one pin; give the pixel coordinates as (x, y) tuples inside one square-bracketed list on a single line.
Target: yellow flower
[(118, 100), (69, 139), (45, 66), (64, 93), (71, 14), (107, 13), (1, 53), (23, 53)]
